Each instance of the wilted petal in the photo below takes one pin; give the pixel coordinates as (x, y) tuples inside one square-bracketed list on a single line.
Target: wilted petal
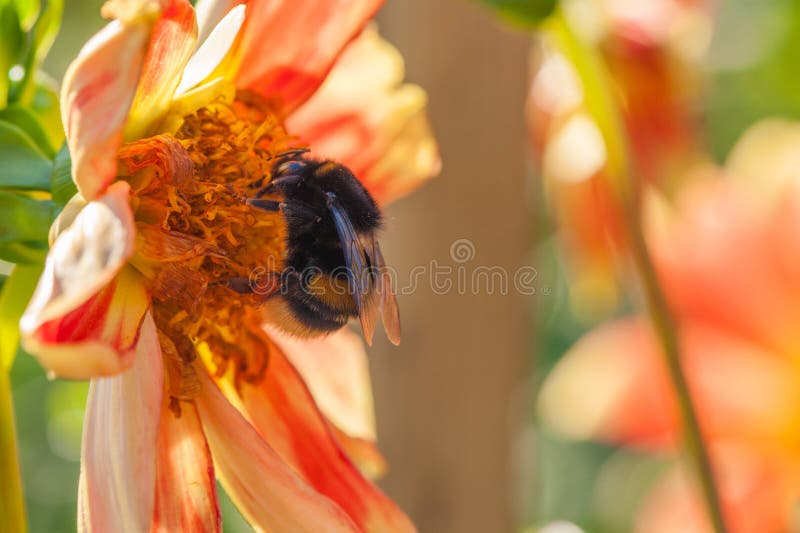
[(289, 46), (613, 385), (171, 44), (284, 413), (96, 96), (118, 456), (84, 318), (186, 489), (363, 117), (264, 488)]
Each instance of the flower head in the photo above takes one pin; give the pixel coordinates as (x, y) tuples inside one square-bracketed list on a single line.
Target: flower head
[(171, 118), (726, 258)]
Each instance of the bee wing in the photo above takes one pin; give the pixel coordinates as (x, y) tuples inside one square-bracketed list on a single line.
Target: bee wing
[(390, 314), (361, 278)]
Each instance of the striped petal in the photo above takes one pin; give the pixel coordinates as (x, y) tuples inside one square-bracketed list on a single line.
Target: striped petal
[(172, 42), (96, 95), (118, 466), (186, 489), (265, 489), (289, 46), (365, 118), (283, 411), (84, 318)]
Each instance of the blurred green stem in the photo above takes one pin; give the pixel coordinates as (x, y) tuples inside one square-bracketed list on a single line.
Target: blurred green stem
[(12, 503), (666, 331), (601, 102)]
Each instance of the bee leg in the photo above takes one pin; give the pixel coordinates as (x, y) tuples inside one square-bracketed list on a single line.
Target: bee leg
[(265, 205), (240, 285)]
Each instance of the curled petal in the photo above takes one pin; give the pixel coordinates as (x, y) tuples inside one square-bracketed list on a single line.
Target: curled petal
[(284, 413), (186, 489), (265, 489), (97, 93), (171, 44), (303, 39), (363, 117), (118, 467), (84, 318), (363, 452)]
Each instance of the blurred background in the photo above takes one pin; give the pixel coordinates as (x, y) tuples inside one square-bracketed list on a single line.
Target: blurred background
[(456, 401)]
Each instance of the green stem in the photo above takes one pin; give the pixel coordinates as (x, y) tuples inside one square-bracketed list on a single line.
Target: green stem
[(666, 330), (12, 503)]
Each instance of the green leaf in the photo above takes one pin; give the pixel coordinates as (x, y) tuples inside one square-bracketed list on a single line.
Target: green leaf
[(26, 120), (525, 13), (24, 219), (28, 10), (40, 39), (45, 106), (11, 41), (61, 184), (14, 298), (24, 253), (22, 164)]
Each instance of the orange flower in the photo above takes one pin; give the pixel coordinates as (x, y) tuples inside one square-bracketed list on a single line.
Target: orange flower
[(727, 258), (168, 115), (648, 56)]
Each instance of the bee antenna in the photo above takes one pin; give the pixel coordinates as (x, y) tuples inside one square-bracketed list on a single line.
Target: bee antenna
[(291, 153)]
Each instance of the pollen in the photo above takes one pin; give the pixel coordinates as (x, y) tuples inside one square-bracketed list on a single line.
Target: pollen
[(196, 233)]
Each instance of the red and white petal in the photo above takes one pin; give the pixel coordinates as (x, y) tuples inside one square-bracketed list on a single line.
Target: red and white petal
[(186, 489), (172, 43), (264, 488), (118, 456), (289, 46), (336, 370), (96, 96), (84, 318), (365, 118), (283, 411)]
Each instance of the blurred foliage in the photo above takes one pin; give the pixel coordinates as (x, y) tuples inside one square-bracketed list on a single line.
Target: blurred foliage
[(525, 13)]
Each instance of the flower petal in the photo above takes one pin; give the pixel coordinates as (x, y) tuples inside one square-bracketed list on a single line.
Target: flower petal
[(171, 44), (209, 13), (97, 93), (613, 385), (283, 411), (118, 467), (84, 318), (364, 118), (758, 494), (186, 489), (265, 489), (303, 39), (336, 370), (212, 51)]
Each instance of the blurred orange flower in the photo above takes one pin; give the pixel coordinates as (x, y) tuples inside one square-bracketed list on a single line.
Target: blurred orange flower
[(648, 55), (167, 114), (727, 256)]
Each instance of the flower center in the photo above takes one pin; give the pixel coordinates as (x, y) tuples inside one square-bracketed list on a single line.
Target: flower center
[(196, 233)]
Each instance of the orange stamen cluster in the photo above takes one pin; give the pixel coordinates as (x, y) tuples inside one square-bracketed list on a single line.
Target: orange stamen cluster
[(195, 233)]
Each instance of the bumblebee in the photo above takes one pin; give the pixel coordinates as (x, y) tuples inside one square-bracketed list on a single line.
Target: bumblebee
[(334, 269)]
